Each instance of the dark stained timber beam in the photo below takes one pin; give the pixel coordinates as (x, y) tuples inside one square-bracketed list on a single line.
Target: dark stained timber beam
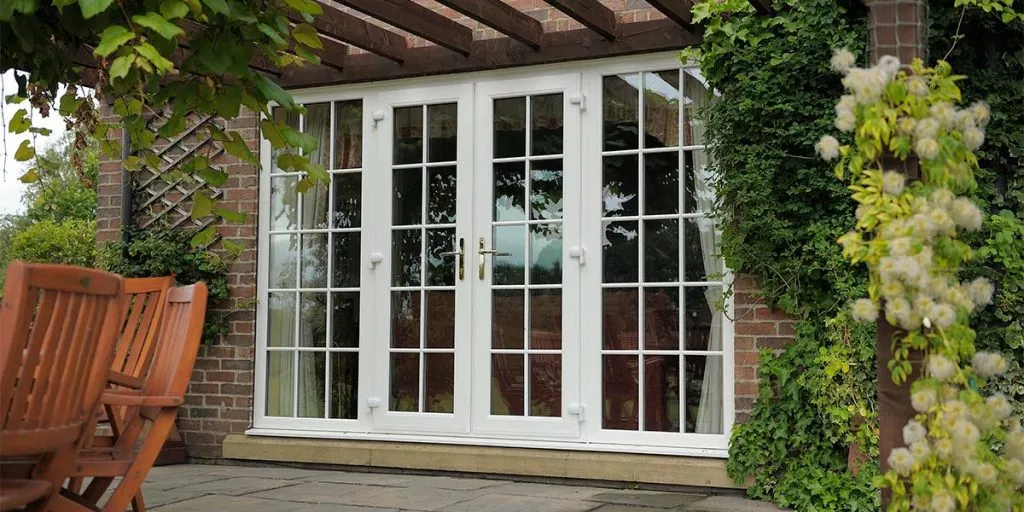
[(763, 7), (679, 11), (418, 20), (356, 32), (332, 54), (502, 17), (572, 45), (590, 13)]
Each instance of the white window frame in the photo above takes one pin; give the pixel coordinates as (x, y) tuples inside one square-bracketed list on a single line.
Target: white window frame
[(591, 436)]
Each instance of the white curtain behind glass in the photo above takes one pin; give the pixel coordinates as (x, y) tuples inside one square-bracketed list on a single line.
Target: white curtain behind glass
[(709, 415)]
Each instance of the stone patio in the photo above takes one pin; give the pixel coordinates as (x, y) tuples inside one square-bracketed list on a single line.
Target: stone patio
[(274, 488)]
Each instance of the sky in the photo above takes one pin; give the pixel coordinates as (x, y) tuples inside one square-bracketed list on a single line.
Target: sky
[(10, 188)]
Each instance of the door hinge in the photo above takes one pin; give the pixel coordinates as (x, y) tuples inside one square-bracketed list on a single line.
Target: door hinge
[(578, 253), (579, 410)]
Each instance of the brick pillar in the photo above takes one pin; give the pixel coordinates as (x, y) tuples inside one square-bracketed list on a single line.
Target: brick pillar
[(898, 27)]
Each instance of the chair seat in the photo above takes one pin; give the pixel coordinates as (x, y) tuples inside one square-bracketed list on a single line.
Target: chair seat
[(19, 492)]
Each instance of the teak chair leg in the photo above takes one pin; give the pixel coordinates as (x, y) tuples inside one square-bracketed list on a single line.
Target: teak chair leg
[(131, 483), (137, 504), (96, 488)]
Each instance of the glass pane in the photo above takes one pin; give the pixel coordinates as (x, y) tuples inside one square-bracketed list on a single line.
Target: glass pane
[(661, 318), (546, 253), (312, 372), (703, 318), (507, 318), (697, 94), (545, 319), (546, 124), (546, 385), (661, 393), (620, 392), (345, 319), (546, 189), (701, 251), (312, 319), (621, 323), (509, 191), (661, 250), (283, 251), (507, 377), (348, 134), (509, 127), (441, 195), (700, 192), (344, 385), (443, 121), (314, 260), (406, 249), (281, 319), (703, 394), (408, 146), (621, 111), (318, 124), (509, 269), (405, 319), (621, 188), (439, 382), (621, 240), (347, 190), (661, 183), (661, 109), (284, 203), (280, 384), (441, 267), (287, 117), (405, 382), (407, 198), (346, 260), (440, 316)]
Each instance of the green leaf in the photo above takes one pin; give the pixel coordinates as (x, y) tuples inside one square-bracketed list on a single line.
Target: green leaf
[(231, 215), (120, 67), (214, 177), (236, 147), (112, 38), (228, 101), (273, 92), (69, 103), (29, 177), (272, 133), (172, 9), (219, 6), (20, 122), (13, 99), (45, 132), (158, 24), (153, 55), (305, 7), (91, 8), (306, 34), (269, 31), (304, 185), (233, 248), (124, 106), (202, 205), (204, 237), (25, 151)]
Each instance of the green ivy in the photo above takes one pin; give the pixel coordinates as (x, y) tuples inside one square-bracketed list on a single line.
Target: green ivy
[(782, 211), (159, 251)]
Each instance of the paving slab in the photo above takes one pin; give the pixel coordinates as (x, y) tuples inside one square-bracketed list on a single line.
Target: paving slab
[(221, 503), (359, 478), (413, 498), (730, 504), (626, 508), (317, 492), (449, 482), (284, 473), (233, 486), (512, 503), (566, 492), (651, 499)]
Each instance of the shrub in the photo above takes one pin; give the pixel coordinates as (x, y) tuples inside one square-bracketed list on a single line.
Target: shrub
[(71, 242)]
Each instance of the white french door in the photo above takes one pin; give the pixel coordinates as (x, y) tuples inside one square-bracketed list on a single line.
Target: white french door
[(422, 303), (526, 287)]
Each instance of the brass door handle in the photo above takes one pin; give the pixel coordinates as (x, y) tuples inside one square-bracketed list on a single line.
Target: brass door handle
[(483, 252), (461, 253)]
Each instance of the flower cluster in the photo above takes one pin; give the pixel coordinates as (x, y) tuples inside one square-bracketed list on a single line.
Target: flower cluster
[(908, 233)]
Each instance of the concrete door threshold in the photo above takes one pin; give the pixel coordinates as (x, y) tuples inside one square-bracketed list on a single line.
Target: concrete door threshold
[(565, 464)]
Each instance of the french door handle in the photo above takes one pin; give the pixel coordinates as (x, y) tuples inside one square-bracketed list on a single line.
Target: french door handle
[(483, 252), (461, 254)]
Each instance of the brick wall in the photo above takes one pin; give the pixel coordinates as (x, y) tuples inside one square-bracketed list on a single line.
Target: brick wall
[(898, 27), (758, 328)]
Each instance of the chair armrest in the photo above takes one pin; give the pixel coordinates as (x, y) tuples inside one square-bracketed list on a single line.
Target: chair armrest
[(122, 379), (136, 399)]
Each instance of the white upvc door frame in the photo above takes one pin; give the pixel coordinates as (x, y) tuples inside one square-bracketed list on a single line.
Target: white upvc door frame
[(566, 425), (381, 110)]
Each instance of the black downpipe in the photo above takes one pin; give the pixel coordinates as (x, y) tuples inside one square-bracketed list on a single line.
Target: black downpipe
[(127, 195)]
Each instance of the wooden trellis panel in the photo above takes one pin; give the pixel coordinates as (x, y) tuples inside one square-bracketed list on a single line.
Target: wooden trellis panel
[(163, 196)]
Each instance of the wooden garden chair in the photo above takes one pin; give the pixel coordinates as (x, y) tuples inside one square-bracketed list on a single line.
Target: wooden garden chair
[(145, 298), (128, 453), (57, 330)]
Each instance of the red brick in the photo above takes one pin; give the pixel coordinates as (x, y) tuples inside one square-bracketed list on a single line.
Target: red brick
[(773, 342), (755, 328), (766, 313)]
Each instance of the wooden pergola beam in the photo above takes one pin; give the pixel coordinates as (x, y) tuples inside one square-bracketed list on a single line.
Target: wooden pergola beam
[(502, 17), (763, 7), (418, 20), (347, 28), (679, 11), (571, 45), (590, 13), (333, 53)]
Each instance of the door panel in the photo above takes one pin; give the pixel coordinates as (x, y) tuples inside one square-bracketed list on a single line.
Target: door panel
[(525, 343), (421, 358)]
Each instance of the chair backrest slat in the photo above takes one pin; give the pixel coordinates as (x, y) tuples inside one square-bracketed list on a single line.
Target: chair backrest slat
[(57, 330), (146, 301), (181, 332)]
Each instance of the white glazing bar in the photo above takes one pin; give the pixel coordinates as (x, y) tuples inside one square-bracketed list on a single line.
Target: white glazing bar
[(642, 253)]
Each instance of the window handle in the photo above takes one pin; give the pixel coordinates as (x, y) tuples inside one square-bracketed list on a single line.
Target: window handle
[(461, 254)]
